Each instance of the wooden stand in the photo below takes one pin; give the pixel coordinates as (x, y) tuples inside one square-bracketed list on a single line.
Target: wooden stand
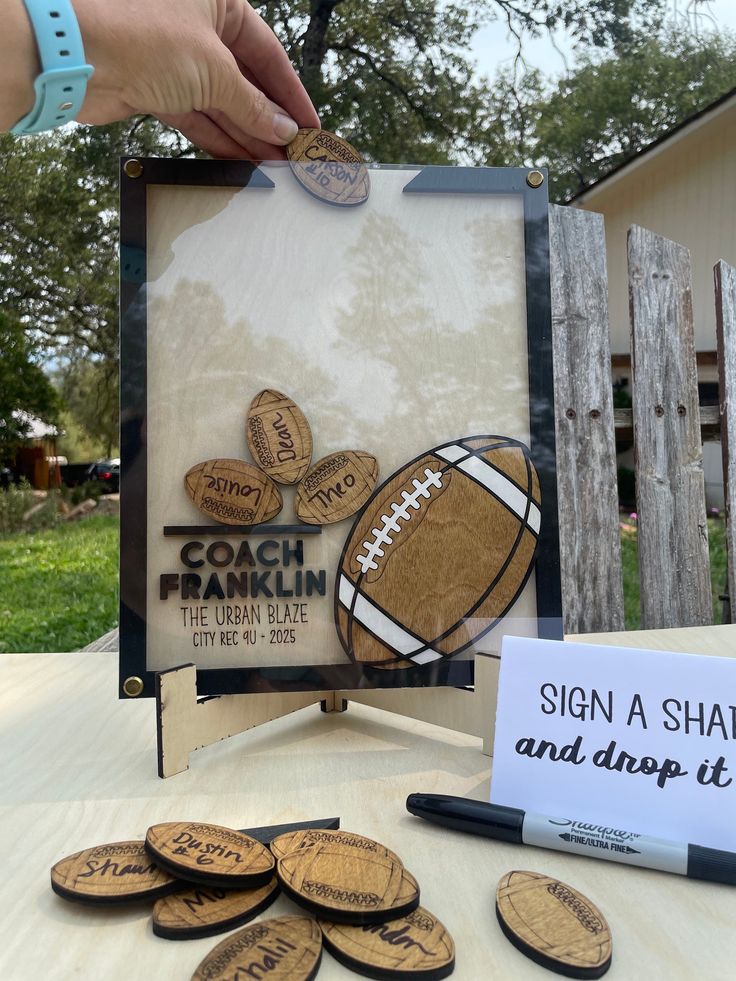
[(186, 723)]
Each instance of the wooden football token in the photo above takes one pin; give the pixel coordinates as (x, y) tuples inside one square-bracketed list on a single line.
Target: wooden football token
[(294, 841), (288, 948), (470, 507), (233, 492), (279, 436), (337, 486), (348, 885), (329, 167), (416, 945), (553, 924), (120, 872), (204, 911), (209, 854)]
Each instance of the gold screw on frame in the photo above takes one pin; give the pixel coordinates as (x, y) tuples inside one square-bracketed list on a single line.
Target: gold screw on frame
[(133, 686), (133, 168), (535, 178)]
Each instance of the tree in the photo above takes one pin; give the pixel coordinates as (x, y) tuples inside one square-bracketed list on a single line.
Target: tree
[(393, 76), (23, 387), (607, 109)]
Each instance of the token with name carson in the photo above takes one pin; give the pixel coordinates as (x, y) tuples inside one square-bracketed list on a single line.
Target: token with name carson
[(348, 885), (113, 874), (413, 946), (553, 924), (294, 841), (288, 948), (210, 854), (204, 911), (329, 167)]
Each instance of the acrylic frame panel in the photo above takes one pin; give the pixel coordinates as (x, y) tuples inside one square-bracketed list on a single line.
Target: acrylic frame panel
[(182, 221)]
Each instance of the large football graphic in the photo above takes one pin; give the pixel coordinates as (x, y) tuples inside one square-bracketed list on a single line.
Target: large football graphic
[(439, 554)]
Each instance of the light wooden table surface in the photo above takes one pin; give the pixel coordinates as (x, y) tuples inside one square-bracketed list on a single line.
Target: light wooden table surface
[(79, 769)]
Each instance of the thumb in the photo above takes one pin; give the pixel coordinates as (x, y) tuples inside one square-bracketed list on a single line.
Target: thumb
[(247, 107)]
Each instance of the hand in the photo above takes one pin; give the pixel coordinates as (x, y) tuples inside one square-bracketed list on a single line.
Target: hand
[(211, 68)]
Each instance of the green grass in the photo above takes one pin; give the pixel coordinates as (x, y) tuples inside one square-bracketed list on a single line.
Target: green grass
[(59, 587), (630, 564)]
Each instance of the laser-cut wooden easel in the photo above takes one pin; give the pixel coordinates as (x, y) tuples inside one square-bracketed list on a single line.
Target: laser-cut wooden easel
[(186, 723)]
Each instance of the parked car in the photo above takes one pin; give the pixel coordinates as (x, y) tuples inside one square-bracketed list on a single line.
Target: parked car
[(107, 472)]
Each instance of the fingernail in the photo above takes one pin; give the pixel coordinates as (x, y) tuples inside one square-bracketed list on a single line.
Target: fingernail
[(284, 127)]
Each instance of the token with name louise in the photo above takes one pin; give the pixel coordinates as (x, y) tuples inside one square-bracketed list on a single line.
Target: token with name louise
[(414, 946), (293, 841), (210, 854), (288, 948), (336, 487), (120, 872), (233, 492), (329, 167), (348, 885), (553, 924), (279, 436), (204, 911)]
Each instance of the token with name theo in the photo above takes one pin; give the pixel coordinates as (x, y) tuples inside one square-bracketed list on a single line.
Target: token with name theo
[(294, 841), (414, 946), (279, 437), (348, 885), (204, 911), (210, 854), (120, 872), (329, 167), (336, 487), (553, 924), (285, 949)]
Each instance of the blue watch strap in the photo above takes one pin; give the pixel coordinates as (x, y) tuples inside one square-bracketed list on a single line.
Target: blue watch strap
[(62, 84)]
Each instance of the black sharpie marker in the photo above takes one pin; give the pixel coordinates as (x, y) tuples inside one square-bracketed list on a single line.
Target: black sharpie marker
[(578, 837)]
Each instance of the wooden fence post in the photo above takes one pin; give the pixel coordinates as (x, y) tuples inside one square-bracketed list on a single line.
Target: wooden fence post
[(725, 281), (674, 567), (590, 547)]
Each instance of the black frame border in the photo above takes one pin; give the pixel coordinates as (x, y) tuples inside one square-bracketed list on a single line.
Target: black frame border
[(136, 174)]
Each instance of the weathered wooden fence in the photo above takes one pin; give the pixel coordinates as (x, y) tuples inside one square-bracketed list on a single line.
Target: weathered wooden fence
[(666, 422)]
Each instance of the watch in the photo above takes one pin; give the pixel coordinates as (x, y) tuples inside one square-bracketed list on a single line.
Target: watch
[(62, 84)]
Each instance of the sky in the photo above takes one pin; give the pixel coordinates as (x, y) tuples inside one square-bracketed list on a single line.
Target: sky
[(494, 48)]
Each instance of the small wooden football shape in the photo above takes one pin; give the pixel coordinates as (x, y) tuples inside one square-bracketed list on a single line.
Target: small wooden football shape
[(210, 854), (414, 946), (233, 492), (203, 911), (553, 924), (348, 885), (294, 841), (329, 167), (288, 948), (440, 552), (336, 487), (279, 436), (120, 872)]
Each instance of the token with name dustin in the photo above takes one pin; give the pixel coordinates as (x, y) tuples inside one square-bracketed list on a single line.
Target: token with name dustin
[(204, 911), (329, 167), (336, 487), (210, 854), (414, 946), (279, 437), (293, 841), (120, 872), (348, 885), (553, 924), (288, 948)]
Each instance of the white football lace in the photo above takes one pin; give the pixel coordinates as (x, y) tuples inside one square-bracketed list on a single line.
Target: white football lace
[(390, 522)]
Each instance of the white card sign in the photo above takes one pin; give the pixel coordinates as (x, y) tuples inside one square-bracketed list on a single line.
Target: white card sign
[(643, 740)]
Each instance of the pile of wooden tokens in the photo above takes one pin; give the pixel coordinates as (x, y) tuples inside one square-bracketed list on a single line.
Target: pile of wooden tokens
[(206, 879)]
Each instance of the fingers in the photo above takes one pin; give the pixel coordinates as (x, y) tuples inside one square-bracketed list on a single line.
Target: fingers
[(199, 129), (256, 46)]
